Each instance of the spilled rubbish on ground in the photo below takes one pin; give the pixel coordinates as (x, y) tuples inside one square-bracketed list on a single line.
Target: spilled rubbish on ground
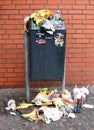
[(52, 105)]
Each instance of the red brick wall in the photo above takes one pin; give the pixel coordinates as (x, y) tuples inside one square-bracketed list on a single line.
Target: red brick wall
[(79, 19)]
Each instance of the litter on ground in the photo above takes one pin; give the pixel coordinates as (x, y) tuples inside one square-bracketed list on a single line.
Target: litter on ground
[(52, 105)]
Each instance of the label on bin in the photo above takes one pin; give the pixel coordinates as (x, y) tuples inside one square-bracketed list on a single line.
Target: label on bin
[(40, 38), (59, 39), (40, 41)]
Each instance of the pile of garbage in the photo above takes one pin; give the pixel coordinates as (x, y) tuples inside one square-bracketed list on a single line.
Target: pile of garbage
[(51, 105), (46, 19)]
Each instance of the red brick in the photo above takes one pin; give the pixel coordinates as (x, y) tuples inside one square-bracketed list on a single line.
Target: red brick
[(70, 41), (8, 27), (10, 74), (16, 36), (51, 6), (2, 21), (90, 36), (6, 41), (75, 60), (8, 7), (78, 55), (11, 84), (65, 7), (12, 17), (40, 2), (22, 7), (20, 74), (79, 31), (12, 22), (90, 59), (91, 7), (86, 12), (88, 50), (69, 36), (89, 64), (82, 6), (9, 46), (18, 60), (2, 12), (19, 2), (89, 73), (19, 27), (17, 41), (3, 79), (75, 11), (16, 70), (89, 26), (79, 16), (88, 21), (29, 2), (5, 16), (77, 50), (19, 79), (11, 56), (9, 66), (92, 2), (20, 46), (68, 26), (5, 2), (20, 65), (2, 61), (65, 16), (2, 32), (2, 51), (70, 31), (25, 12), (75, 21), (88, 31), (11, 12), (12, 32), (55, 1), (1, 56), (90, 16), (81, 2), (91, 41), (78, 36), (37, 7), (79, 26), (10, 79), (68, 2), (82, 41), (88, 69), (74, 64)]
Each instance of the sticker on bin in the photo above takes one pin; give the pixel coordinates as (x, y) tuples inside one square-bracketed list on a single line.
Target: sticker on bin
[(59, 39), (40, 41), (40, 38)]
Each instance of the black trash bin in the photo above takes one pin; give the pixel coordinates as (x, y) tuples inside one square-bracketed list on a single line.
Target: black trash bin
[(47, 53)]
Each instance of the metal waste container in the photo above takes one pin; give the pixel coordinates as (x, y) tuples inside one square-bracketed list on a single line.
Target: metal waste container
[(47, 52)]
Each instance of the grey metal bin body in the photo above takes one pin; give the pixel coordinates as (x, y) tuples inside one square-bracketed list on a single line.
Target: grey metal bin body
[(46, 57)]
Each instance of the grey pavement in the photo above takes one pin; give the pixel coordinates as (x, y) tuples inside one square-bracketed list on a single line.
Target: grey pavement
[(82, 121)]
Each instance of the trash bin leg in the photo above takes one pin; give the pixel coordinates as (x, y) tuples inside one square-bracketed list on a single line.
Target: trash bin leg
[(26, 67), (64, 74)]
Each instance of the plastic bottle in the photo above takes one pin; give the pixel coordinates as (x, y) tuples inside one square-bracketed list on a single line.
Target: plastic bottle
[(79, 102), (57, 15)]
